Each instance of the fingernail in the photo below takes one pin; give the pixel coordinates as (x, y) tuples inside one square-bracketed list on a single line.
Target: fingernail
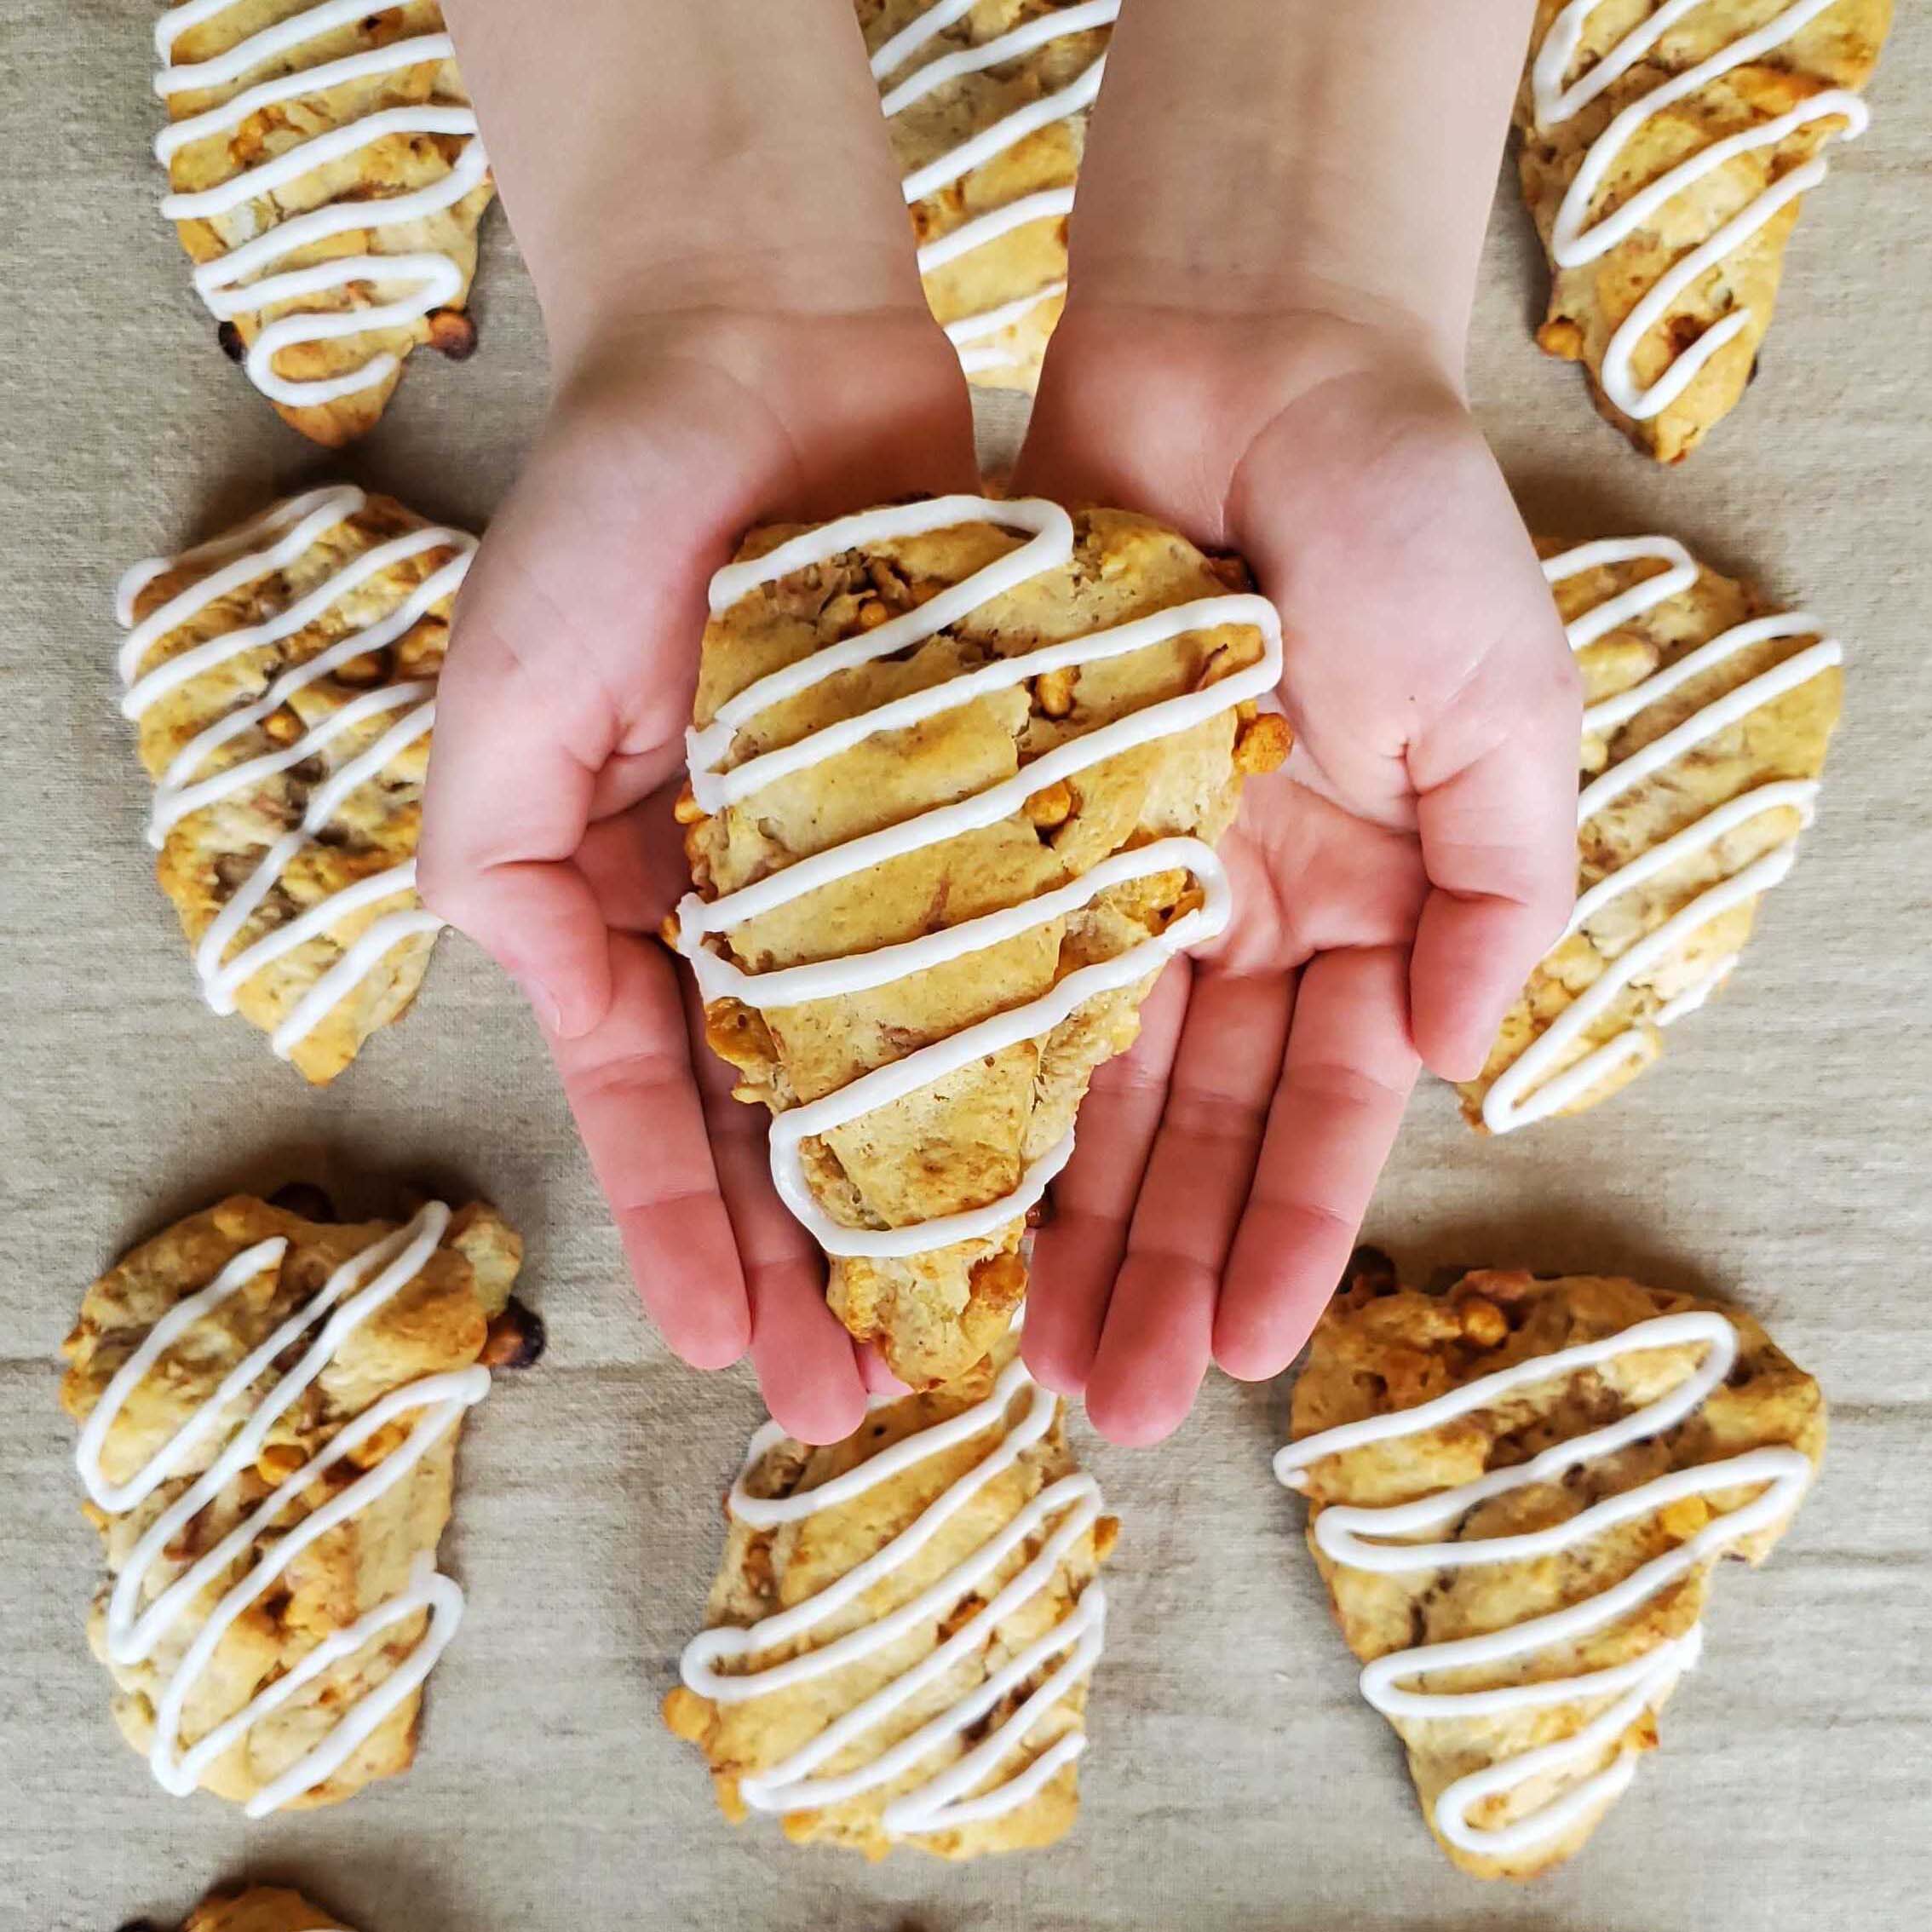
[(549, 1014)]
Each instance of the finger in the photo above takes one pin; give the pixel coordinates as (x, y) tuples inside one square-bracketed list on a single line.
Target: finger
[(1345, 1081), (509, 794), (635, 864), (1154, 1348), (1078, 1253), (629, 1085), (806, 1366), (879, 1380), (1499, 844)]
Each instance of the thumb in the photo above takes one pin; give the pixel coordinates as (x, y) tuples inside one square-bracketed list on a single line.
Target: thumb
[(1499, 844), (510, 792)]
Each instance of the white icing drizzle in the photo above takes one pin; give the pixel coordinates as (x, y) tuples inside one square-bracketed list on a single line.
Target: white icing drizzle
[(1537, 1083), (137, 1627), (235, 284), (294, 526), (1694, 996), (1051, 545), (971, 335), (1378, 1540), (1575, 239), (946, 1801)]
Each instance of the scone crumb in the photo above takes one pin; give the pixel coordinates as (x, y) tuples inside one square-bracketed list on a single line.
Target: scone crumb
[(1264, 745)]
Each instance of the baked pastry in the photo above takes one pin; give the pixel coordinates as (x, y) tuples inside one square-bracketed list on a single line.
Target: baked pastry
[(987, 103), (952, 799), (1709, 714), (1518, 1492), (243, 1364), (283, 679), (1664, 149), (260, 1908), (901, 1637), (327, 182)]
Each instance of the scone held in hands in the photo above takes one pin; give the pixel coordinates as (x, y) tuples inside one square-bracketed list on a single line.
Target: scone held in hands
[(269, 1409), (905, 1623), (1518, 1492), (956, 772)]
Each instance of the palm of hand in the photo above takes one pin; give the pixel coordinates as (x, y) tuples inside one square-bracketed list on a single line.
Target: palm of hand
[(1394, 886)]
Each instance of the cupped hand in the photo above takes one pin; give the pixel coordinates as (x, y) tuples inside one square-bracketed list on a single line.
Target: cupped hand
[(1394, 886), (548, 835)]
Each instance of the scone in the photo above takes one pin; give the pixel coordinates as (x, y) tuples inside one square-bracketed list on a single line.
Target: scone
[(1709, 714), (902, 1632), (260, 1908), (1518, 1492), (957, 769), (1665, 150), (270, 1407), (987, 103), (283, 678), (327, 182)]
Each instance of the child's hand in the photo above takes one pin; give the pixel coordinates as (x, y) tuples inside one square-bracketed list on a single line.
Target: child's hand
[(707, 204), (548, 835), (1395, 887)]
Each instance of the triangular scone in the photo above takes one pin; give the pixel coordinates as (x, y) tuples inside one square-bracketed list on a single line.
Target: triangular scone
[(1525, 1676), (900, 1636), (327, 181), (283, 679), (987, 103), (1665, 150), (1709, 714), (271, 1407), (260, 1908), (1038, 694)]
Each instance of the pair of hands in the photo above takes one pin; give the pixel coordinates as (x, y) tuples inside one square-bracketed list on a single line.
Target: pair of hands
[(1394, 886)]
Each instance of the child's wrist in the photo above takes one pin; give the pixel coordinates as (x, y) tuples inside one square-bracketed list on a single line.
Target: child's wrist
[(631, 297)]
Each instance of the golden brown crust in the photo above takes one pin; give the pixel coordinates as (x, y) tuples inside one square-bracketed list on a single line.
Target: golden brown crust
[(1382, 1348), (438, 1321), (393, 165), (966, 1141), (208, 854), (1024, 259), (260, 1908), (1784, 739), (1589, 301), (767, 1570)]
